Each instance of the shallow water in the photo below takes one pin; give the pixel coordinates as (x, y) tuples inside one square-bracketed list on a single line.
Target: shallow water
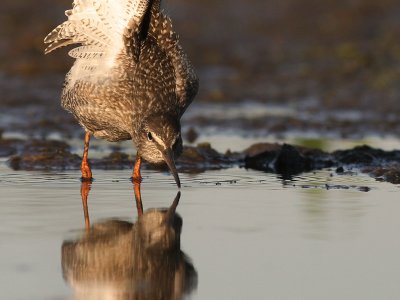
[(249, 234)]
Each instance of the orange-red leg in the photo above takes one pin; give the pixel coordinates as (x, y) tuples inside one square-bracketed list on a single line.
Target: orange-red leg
[(85, 167), (85, 188), (138, 198), (136, 176)]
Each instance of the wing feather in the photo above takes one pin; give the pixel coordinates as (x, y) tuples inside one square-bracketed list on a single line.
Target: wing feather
[(102, 28), (186, 80)]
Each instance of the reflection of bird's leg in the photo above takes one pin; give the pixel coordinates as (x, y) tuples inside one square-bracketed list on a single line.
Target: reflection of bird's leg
[(136, 177), (85, 168), (138, 198), (85, 188)]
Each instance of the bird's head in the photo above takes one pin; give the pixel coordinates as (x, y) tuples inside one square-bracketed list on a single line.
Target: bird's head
[(160, 141)]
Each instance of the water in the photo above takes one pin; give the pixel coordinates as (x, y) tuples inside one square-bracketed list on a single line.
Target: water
[(249, 234)]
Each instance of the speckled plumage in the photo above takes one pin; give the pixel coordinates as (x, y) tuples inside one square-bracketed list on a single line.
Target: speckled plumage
[(121, 87)]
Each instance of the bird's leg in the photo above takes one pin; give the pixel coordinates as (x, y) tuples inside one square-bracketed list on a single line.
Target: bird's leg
[(85, 188), (85, 168), (138, 198), (136, 177)]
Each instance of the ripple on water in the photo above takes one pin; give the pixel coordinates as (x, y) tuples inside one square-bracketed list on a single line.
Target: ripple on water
[(227, 178), (328, 179)]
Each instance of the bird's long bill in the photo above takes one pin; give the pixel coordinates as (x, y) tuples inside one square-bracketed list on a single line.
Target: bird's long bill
[(169, 159)]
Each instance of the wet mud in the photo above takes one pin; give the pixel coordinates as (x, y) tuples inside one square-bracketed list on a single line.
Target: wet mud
[(288, 160), (283, 159), (44, 155)]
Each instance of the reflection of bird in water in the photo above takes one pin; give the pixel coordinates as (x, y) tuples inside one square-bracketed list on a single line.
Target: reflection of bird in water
[(120, 260), (130, 80)]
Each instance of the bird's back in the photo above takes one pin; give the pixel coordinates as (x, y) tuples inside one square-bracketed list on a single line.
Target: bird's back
[(130, 64)]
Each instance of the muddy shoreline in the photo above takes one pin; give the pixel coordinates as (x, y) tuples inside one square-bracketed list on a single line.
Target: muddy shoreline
[(283, 159), (329, 68)]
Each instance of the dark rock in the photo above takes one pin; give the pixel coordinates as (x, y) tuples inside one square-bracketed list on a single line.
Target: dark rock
[(289, 161), (365, 155), (261, 148), (286, 159), (364, 189), (203, 157), (358, 155), (339, 170), (44, 155), (389, 173), (262, 161)]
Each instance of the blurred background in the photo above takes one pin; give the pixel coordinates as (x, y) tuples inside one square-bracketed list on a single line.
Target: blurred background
[(326, 67)]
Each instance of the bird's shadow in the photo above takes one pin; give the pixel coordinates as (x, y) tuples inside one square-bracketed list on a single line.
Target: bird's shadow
[(116, 259)]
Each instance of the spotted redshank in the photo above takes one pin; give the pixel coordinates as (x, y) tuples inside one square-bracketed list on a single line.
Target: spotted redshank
[(130, 79)]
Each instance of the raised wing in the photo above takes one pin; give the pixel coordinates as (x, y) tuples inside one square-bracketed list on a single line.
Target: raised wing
[(102, 27), (185, 78)]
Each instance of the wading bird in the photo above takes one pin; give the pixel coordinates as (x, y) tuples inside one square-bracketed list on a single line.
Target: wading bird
[(130, 79)]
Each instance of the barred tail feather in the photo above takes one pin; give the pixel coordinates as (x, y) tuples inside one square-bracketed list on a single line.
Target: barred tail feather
[(100, 26), (86, 52)]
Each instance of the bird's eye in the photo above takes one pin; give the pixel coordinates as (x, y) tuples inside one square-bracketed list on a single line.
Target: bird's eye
[(149, 136)]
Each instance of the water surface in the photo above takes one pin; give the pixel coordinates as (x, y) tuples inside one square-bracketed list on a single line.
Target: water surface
[(249, 234)]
